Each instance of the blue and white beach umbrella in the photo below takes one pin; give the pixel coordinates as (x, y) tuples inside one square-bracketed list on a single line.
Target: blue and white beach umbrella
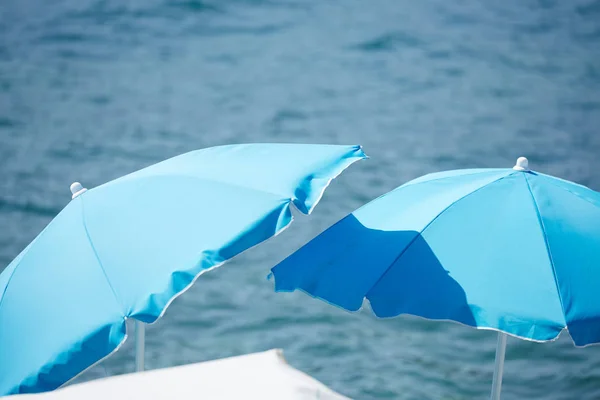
[(512, 250), (127, 248)]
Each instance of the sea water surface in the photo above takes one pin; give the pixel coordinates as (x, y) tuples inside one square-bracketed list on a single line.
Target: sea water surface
[(91, 90)]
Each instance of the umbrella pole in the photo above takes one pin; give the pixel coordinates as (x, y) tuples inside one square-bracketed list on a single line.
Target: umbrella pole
[(499, 368), (139, 345)]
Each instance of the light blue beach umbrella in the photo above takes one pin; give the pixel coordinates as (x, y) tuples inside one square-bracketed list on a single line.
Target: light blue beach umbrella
[(511, 250), (127, 248)]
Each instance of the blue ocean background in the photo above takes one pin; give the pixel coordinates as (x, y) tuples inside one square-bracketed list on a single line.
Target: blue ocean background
[(91, 90)]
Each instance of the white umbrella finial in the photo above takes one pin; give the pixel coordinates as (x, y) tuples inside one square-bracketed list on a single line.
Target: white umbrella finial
[(522, 164), (77, 189)]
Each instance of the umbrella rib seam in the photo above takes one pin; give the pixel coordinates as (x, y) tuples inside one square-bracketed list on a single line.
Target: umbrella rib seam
[(462, 198), (7, 284), (198, 178), (91, 243), (408, 184), (482, 171), (429, 224), (19, 262), (539, 218), (553, 178), (549, 181)]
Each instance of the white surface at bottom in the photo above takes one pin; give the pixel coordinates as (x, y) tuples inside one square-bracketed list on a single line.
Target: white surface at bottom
[(264, 375)]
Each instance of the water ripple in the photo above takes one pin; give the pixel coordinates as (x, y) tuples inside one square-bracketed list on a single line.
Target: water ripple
[(195, 6), (28, 208), (390, 42)]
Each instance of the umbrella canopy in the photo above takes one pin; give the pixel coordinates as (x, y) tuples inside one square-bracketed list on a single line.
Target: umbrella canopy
[(127, 248), (507, 249), (264, 375)]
